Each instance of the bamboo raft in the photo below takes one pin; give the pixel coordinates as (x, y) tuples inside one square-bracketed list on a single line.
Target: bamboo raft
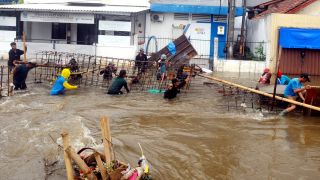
[(101, 165)]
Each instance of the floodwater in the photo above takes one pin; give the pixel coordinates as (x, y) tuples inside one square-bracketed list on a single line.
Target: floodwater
[(191, 137)]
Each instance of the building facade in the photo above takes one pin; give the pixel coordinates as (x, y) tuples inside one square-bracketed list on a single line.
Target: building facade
[(204, 22), (265, 28), (90, 28)]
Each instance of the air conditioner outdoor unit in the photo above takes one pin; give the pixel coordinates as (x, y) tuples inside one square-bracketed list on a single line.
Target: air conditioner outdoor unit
[(157, 17)]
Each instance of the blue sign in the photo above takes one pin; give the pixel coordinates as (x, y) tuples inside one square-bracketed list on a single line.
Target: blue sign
[(8, 1)]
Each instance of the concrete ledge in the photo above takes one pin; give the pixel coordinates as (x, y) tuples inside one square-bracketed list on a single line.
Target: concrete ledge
[(239, 66)]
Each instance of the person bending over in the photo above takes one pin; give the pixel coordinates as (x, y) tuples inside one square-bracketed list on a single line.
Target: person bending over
[(118, 83), (20, 73), (295, 89), (62, 83)]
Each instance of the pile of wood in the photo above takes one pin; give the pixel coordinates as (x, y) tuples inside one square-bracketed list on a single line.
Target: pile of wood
[(97, 165)]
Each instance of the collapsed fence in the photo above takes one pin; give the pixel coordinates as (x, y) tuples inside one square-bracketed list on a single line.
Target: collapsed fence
[(241, 97), (88, 70)]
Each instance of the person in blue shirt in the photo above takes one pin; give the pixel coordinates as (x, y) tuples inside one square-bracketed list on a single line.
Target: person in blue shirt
[(295, 89), (61, 83), (162, 72), (282, 79)]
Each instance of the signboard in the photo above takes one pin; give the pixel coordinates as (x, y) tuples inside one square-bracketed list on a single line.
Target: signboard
[(220, 30), (114, 40), (57, 17), (115, 26), (7, 21)]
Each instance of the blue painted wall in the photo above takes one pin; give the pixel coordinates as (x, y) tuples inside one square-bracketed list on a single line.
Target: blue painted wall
[(222, 38), (195, 9)]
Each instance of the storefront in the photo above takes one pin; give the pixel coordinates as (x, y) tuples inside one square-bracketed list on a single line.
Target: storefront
[(64, 24)]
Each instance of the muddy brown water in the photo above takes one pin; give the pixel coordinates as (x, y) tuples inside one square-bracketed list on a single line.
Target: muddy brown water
[(190, 137)]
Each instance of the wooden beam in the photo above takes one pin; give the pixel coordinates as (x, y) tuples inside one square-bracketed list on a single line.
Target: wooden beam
[(24, 47), (102, 169), (67, 160), (106, 138), (82, 165)]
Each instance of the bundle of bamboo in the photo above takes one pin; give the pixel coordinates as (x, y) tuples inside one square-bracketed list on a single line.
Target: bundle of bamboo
[(101, 166)]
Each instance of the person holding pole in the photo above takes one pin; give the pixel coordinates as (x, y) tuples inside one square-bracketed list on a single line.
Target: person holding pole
[(14, 55), (295, 89)]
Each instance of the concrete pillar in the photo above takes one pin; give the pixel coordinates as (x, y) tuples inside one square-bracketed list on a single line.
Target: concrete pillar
[(74, 33)]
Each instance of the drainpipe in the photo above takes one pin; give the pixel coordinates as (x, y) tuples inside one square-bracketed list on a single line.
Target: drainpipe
[(231, 9), (211, 63)]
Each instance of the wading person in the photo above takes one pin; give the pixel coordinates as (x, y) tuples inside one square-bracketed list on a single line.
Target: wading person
[(62, 83), (295, 89), (161, 75), (174, 88), (282, 79), (74, 68), (141, 62), (20, 74), (107, 72), (265, 77), (118, 83), (14, 55)]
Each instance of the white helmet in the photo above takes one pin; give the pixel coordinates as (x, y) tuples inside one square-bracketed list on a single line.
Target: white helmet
[(163, 56)]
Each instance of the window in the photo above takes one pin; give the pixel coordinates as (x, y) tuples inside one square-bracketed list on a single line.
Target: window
[(201, 17), (59, 30), (181, 16)]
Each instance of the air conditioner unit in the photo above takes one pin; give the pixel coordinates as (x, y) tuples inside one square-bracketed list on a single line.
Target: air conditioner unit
[(157, 17)]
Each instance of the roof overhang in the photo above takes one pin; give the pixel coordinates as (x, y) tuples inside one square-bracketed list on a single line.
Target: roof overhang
[(107, 9), (195, 9)]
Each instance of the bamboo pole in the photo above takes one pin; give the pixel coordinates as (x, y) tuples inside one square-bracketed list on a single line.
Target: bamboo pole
[(82, 165), (276, 78), (24, 47), (106, 137), (102, 169), (262, 93), (67, 160)]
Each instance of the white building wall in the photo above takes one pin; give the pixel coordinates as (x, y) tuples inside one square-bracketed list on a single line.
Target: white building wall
[(41, 31), (240, 66), (159, 29), (171, 28), (258, 33), (6, 37)]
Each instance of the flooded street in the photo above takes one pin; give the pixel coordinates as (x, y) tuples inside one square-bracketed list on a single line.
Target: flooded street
[(191, 137)]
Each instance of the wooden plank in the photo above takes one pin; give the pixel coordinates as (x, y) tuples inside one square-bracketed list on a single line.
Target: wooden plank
[(24, 48), (67, 160), (106, 138), (102, 169), (82, 165)]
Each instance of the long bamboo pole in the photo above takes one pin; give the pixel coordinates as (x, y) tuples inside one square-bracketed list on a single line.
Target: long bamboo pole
[(67, 160), (262, 93), (82, 165), (106, 138), (102, 169), (24, 47)]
